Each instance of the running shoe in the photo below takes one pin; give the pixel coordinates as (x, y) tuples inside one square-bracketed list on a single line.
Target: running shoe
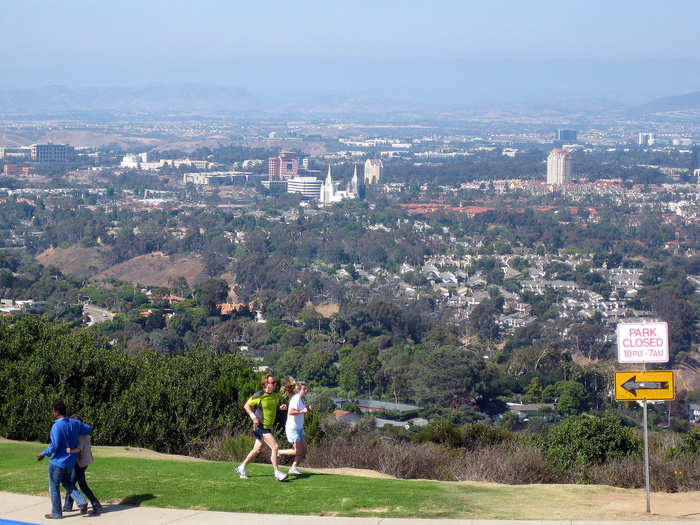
[(294, 471), (241, 472), (280, 476)]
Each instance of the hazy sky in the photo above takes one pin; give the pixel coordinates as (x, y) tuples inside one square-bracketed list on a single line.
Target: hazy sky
[(442, 51)]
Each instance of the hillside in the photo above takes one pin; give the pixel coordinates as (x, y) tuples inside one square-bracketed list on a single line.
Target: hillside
[(75, 260), (155, 269), (689, 101)]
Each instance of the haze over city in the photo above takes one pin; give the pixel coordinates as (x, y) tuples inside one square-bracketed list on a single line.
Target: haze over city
[(452, 52)]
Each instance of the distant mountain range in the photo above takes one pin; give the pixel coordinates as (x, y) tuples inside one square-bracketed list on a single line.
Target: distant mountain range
[(207, 100), (164, 99), (686, 102)]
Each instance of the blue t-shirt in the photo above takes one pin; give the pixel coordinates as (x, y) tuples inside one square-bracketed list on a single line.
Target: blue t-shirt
[(64, 434)]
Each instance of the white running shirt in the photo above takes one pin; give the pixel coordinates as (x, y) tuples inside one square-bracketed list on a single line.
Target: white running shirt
[(295, 421)]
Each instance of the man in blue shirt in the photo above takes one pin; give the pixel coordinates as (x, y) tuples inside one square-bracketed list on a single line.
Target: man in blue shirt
[(64, 436)]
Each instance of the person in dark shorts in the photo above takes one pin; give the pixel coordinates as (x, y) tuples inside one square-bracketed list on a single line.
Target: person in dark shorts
[(262, 408)]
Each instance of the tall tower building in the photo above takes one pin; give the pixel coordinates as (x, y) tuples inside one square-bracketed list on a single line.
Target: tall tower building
[(51, 152), (645, 139), (558, 167), (695, 159), (373, 171), (273, 168), (566, 135), (284, 166)]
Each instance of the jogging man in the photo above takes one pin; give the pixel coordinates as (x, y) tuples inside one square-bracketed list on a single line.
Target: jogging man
[(262, 408)]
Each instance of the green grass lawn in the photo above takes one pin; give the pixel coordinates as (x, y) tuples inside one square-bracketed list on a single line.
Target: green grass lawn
[(211, 485)]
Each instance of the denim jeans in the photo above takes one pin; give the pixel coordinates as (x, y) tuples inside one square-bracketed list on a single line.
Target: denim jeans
[(61, 476), (78, 476)]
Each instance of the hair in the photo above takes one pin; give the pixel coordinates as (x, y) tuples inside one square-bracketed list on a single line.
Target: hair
[(291, 386), (265, 378), (60, 407)]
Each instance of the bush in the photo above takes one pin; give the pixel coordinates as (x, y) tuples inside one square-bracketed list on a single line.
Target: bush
[(409, 461), (236, 448), (509, 462), (169, 404), (468, 436), (582, 441), (689, 447)]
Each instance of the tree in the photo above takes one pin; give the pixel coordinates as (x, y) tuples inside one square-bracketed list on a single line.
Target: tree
[(318, 369), (483, 319), (212, 293), (290, 363), (572, 398), (447, 373)]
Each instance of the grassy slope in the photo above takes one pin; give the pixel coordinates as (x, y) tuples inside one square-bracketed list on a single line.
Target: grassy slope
[(214, 486)]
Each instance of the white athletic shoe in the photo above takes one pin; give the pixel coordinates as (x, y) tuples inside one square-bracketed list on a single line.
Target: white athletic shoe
[(241, 472), (294, 471), (280, 476)]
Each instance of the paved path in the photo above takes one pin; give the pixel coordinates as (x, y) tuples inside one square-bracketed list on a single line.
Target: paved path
[(20, 509)]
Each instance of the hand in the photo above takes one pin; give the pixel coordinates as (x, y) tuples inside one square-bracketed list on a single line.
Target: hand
[(256, 422), (308, 408), (283, 407), (68, 450), (39, 456)]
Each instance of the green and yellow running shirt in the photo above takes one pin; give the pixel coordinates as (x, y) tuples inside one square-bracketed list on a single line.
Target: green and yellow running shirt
[(269, 404)]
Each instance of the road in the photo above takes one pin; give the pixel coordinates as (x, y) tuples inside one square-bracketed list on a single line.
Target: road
[(96, 314)]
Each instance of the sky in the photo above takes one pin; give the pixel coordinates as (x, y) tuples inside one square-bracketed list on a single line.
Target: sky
[(442, 51)]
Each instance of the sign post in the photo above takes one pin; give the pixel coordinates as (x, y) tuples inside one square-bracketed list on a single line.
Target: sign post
[(643, 343)]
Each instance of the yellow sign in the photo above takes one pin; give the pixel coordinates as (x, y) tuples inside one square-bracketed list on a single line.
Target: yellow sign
[(654, 385)]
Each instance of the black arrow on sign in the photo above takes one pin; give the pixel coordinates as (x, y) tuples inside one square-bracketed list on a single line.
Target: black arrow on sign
[(632, 386)]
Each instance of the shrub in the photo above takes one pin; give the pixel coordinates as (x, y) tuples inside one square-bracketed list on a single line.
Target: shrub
[(666, 475), (468, 436), (409, 461), (583, 441), (441, 431), (510, 462), (236, 448), (477, 435), (689, 446)]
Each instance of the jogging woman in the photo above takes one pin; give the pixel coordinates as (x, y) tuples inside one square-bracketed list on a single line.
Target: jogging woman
[(295, 424)]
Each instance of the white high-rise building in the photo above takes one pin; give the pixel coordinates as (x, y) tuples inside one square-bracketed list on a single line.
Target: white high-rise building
[(646, 139), (309, 187), (373, 171), (558, 167)]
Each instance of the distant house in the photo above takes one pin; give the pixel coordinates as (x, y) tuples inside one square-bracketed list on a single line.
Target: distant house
[(694, 413), (348, 418), (372, 405), (524, 411), (392, 423)]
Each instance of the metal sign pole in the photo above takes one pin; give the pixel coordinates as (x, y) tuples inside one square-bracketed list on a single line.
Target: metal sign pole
[(646, 456)]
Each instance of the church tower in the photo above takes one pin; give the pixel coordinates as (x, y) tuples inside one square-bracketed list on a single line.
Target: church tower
[(353, 187), (327, 189)]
